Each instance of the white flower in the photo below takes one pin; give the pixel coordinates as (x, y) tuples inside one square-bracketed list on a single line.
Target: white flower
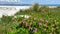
[(15, 16), (26, 16), (21, 15)]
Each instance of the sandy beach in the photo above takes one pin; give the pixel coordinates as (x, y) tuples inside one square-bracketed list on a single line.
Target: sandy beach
[(11, 10)]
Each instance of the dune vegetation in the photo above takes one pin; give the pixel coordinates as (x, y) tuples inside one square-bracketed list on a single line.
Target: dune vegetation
[(35, 20)]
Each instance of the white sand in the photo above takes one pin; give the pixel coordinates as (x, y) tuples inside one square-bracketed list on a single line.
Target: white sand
[(11, 10)]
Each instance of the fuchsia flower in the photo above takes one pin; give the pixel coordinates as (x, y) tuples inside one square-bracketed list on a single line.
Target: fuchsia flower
[(35, 18), (41, 19), (46, 20), (35, 30)]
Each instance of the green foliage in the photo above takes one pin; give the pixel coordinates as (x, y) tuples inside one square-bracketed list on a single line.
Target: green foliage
[(36, 7), (47, 21)]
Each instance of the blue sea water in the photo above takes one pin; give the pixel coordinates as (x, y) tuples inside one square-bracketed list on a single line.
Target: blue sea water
[(29, 4)]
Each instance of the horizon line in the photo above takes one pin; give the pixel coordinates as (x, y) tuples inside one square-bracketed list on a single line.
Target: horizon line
[(29, 4)]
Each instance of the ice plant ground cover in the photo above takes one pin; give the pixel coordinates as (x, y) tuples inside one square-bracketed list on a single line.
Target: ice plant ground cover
[(35, 20)]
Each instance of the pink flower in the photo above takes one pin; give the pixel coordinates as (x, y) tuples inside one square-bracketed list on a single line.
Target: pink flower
[(44, 28), (41, 19), (40, 24), (35, 18), (24, 20), (35, 30), (46, 20)]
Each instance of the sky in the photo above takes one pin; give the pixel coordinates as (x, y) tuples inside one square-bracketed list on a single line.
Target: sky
[(30, 1), (42, 1)]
